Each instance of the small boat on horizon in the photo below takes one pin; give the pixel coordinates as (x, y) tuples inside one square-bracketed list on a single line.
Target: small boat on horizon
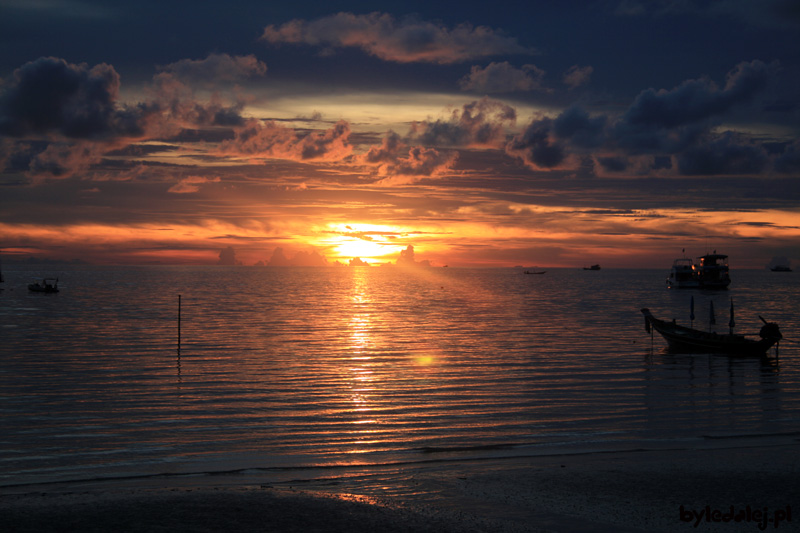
[(682, 339), (776, 268), (48, 285), (537, 272), (593, 267)]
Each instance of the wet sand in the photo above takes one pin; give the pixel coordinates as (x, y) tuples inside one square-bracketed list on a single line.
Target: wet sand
[(593, 492)]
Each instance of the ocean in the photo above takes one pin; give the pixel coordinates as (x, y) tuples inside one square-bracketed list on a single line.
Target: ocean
[(285, 369)]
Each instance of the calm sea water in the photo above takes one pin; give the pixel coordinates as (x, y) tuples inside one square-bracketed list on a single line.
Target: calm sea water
[(290, 368)]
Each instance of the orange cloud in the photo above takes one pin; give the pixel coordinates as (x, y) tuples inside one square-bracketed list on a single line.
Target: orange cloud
[(63, 160), (396, 162), (270, 140), (191, 184)]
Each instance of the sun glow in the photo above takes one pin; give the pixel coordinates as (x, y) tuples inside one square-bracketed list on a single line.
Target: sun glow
[(363, 241), (360, 249)]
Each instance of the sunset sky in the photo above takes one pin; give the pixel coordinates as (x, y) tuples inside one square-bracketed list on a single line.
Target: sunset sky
[(555, 134)]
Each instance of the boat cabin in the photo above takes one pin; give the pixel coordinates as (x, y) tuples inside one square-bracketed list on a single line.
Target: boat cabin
[(713, 271), (682, 271)]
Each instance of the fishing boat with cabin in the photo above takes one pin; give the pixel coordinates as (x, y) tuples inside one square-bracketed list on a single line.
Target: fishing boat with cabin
[(710, 272), (48, 285)]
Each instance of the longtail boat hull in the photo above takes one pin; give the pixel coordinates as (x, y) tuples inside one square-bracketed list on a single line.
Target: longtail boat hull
[(682, 339)]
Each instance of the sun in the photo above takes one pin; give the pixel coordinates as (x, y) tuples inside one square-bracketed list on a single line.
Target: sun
[(364, 241), (361, 249)]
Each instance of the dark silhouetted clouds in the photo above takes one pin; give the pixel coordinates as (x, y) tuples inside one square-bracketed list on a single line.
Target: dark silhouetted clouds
[(502, 78), (405, 41), (302, 259), (726, 154), (216, 68), (789, 160), (579, 128), (481, 123), (537, 147), (227, 257), (698, 100), (407, 258), (50, 95)]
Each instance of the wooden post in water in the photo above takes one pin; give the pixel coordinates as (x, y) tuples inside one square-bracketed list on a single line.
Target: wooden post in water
[(179, 326), (179, 339)]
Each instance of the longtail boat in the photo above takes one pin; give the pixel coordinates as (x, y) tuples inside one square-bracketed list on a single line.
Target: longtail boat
[(689, 340)]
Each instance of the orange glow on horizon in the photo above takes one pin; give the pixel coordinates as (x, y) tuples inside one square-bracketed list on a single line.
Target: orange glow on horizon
[(371, 243), (505, 236)]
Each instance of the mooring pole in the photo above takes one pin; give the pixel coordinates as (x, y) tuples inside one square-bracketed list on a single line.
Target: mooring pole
[(179, 325)]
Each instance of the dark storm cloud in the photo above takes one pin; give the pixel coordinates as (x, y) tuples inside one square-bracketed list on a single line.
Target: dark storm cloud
[(789, 161), (613, 164), (727, 154), (582, 130), (697, 100), (50, 95), (537, 147), (75, 112), (407, 40), (678, 122)]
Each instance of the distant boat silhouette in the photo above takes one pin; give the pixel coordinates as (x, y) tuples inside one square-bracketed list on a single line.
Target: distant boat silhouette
[(542, 272), (46, 285), (776, 268), (593, 267)]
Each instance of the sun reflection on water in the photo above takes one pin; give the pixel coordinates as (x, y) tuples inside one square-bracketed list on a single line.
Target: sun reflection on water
[(362, 376)]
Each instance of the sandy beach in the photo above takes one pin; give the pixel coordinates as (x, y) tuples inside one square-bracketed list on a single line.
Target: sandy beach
[(739, 486)]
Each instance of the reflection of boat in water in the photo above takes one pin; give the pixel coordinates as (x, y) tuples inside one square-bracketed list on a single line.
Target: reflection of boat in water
[(712, 272), (45, 285), (689, 340), (593, 267), (776, 268)]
